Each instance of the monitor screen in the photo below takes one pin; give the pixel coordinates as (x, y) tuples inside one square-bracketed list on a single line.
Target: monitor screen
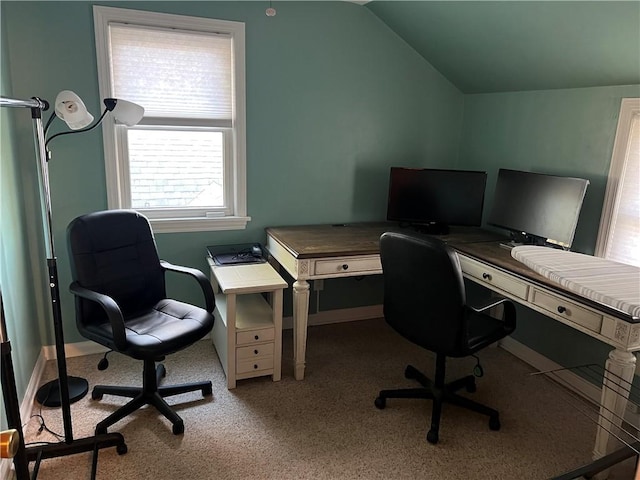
[(422, 196), (539, 205)]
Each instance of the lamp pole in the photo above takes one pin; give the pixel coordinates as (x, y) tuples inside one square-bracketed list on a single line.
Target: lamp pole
[(65, 390)]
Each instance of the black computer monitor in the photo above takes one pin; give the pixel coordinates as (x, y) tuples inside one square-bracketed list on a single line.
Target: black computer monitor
[(432, 199), (537, 208)]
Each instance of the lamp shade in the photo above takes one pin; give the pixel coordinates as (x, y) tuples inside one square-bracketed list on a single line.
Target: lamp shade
[(70, 108), (124, 111)]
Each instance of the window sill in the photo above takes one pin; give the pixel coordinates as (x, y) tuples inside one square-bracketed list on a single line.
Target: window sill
[(175, 225)]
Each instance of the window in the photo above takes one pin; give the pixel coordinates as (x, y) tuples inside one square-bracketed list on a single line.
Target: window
[(183, 165), (619, 236)]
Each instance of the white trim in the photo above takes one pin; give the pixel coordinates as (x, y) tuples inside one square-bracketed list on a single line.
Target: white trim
[(628, 108), (169, 225), (565, 377), (114, 142), (26, 407), (338, 316), (71, 350)]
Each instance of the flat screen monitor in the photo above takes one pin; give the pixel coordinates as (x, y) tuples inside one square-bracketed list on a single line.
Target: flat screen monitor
[(433, 199), (537, 207)]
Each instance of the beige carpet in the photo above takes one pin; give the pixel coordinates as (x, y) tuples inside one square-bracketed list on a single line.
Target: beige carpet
[(326, 427)]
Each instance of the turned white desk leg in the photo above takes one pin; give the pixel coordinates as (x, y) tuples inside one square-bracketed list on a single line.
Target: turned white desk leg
[(300, 320), (619, 370)]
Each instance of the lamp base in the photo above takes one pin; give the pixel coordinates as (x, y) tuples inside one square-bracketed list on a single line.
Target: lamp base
[(48, 394)]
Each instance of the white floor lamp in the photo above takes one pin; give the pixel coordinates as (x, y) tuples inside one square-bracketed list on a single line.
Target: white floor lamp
[(70, 108)]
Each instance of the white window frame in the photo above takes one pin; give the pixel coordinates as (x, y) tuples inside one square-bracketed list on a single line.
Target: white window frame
[(115, 141), (629, 107)]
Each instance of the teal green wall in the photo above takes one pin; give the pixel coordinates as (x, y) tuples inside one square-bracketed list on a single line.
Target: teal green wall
[(562, 132), (24, 309), (334, 98)]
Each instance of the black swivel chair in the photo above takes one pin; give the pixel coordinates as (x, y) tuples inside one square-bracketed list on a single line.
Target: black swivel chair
[(424, 301), (119, 284)]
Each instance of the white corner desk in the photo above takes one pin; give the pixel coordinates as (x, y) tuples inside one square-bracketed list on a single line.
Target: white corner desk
[(312, 252)]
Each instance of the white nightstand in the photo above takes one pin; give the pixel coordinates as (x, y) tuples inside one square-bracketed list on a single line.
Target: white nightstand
[(247, 333)]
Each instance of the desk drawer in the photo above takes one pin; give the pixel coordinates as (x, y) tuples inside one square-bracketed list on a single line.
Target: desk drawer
[(562, 308), (249, 337), (493, 278), (347, 265)]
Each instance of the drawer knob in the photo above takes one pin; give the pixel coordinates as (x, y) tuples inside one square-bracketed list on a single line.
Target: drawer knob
[(255, 367), (561, 309), (256, 337), (486, 276), (255, 352), (345, 266)]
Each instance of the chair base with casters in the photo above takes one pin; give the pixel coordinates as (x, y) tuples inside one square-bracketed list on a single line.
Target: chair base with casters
[(440, 393), (122, 303), (151, 393), (425, 302)]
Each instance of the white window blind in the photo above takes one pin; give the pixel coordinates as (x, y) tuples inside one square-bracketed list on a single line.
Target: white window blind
[(619, 238), (173, 73), (184, 164)]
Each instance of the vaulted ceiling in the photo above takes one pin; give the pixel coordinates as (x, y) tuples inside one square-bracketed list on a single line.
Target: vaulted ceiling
[(496, 46)]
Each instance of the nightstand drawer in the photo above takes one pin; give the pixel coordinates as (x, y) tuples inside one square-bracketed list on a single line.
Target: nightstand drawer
[(249, 337), (562, 308), (347, 265), (254, 351), (255, 365)]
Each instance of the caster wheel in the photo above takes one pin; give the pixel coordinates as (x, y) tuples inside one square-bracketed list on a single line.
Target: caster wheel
[(494, 422), (96, 396), (178, 428), (409, 373), (380, 403), (471, 386), (432, 437), (208, 390), (121, 449)]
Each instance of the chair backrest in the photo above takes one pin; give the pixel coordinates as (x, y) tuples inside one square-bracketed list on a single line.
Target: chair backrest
[(114, 252), (424, 294)]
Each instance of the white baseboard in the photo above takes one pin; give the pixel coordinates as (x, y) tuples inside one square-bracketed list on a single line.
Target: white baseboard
[(339, 315), (565, 377), (78, 349), (26, 409), (543, 364)]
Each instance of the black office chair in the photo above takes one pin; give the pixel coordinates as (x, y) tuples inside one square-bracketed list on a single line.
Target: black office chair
[(424, 301), (121, 303)]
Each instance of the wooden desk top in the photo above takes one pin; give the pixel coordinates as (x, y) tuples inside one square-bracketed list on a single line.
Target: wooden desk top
[(343, 240)]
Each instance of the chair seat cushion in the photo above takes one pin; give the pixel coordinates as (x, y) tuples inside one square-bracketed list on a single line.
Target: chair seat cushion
[(168, 327)]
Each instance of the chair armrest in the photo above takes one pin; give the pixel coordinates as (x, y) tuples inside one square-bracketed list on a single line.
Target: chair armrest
[(202, 280), (110, 307), (508, 309)]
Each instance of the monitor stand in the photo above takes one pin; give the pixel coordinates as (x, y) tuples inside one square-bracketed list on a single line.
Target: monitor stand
[(521, 238), (431, 228), (510, 245)]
